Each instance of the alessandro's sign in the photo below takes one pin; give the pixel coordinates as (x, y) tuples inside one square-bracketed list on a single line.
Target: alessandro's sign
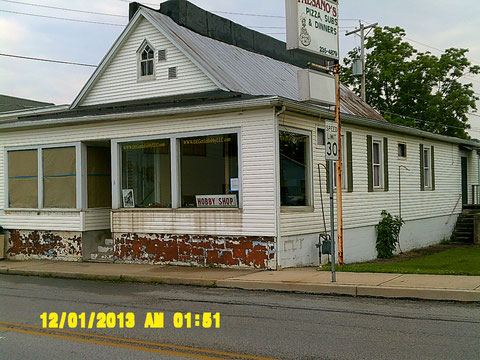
[(312, 25), (205, 201)]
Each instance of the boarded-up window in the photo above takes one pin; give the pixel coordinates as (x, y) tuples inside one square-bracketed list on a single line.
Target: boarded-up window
[(23, 179), (99, 183), (59, 178)]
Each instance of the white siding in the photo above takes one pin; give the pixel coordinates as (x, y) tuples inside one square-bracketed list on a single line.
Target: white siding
[(256, 218), (97, 219), (43, 220), (362, 208), (119, 80)]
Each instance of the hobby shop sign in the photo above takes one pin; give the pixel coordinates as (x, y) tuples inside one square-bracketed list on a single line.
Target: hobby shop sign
[(312, 26)]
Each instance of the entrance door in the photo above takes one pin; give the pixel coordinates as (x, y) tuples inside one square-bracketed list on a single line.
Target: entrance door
[(464, 181)]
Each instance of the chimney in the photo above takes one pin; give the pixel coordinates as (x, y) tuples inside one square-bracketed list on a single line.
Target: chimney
[(132, 9)]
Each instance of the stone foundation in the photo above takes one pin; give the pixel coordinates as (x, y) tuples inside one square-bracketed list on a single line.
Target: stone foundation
[(224, 251), (44, 245)]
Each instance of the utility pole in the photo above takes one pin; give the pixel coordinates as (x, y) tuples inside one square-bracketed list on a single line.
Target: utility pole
[(361, 30)]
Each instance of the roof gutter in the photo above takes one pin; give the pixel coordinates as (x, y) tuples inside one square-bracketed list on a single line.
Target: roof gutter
[(15, 114), (218, 107), (305, 108), (315, 110)]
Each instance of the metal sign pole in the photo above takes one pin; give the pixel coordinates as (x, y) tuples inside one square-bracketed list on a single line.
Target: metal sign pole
[(332, 219), (336, 71)]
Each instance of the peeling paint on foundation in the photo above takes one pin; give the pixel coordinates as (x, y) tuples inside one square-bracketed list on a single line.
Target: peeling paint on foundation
[(44, 245), (197, 250)]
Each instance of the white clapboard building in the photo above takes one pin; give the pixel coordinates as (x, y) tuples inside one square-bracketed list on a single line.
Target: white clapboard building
[(190, 145)]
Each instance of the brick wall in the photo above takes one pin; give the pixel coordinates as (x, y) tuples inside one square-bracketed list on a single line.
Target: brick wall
[(224, 251), (50, 245)]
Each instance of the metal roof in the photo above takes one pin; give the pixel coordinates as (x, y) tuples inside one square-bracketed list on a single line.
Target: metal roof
[(247, 72), (11, 103)]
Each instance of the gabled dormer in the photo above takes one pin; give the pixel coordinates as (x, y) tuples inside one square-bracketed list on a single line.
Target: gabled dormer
[(145, 62)]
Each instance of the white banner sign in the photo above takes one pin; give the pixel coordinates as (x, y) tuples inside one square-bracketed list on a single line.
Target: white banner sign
[(331, 140), (312, 25), (204, 201)]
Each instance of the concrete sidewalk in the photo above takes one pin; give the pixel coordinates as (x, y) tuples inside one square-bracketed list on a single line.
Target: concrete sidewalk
[(306, 280)]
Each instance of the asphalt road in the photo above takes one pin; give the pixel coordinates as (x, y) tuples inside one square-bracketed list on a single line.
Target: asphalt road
[(253, 325)]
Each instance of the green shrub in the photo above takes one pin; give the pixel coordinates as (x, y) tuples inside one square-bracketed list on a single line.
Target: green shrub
[(388, 231)]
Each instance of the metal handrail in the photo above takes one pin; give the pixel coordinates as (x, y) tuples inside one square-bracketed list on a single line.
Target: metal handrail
[(455, 207)]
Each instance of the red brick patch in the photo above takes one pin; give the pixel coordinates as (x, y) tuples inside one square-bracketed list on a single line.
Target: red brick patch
[(200, 250)]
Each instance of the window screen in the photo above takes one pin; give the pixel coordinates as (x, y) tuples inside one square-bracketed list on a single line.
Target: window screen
[(293, 169), (146, 170), (59, 178), (99, 182), (23, 179), (209, 166)]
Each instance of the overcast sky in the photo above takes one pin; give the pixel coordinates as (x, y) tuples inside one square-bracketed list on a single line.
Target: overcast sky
[(437, 24)]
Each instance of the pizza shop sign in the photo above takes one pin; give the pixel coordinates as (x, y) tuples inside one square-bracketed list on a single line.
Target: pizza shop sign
[(312, 26), (205, 201)]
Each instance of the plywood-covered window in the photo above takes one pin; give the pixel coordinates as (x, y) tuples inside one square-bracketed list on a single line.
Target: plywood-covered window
[(59, 177), (209, 168), (146, 174), (99, 180), (23, 179)]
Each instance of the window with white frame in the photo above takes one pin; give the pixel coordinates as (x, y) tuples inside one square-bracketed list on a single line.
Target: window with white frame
[(294, 168), (59, 177), (146, 173), (181, 170), (427, 167), (146, 56), (208, 169), (44, 177), (23, 179), (377, 163)]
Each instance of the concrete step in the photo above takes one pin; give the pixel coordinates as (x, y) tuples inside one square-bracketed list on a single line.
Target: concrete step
[(463, 239), (109, 242), (105, 256), (105, 249)]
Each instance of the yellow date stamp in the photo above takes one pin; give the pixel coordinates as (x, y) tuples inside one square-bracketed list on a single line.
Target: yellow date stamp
[(127, 320)]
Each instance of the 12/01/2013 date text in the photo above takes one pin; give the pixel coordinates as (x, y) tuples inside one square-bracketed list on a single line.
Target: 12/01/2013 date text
[(110, 320)]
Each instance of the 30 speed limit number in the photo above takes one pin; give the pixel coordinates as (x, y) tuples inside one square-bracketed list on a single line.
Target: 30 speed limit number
[(331, 141)]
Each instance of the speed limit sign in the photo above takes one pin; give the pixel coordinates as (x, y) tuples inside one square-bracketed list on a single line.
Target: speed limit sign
[(331, 140)]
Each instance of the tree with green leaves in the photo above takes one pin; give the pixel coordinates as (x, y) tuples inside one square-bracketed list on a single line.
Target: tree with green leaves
[(412, 88)]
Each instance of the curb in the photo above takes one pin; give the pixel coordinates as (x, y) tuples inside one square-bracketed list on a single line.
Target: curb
[(286, 286)]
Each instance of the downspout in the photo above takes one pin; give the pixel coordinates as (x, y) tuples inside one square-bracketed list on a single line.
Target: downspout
[(277, 182)]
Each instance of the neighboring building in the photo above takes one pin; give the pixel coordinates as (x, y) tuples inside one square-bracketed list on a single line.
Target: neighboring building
[(10, 103), (188, 145)]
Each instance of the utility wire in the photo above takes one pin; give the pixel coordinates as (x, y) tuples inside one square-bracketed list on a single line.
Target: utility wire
[(61, 18), (47, 60), (432, 122), (62, 8)]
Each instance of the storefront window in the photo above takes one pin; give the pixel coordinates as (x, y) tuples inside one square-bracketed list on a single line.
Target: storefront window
[(146, 174), (209, 171), (23, 179), (59, 178), (293, 169)]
